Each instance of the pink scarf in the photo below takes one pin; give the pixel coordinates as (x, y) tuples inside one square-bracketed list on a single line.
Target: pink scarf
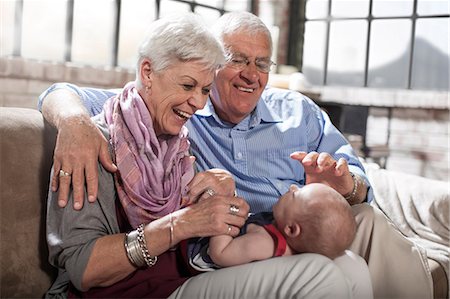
[(152, 172)]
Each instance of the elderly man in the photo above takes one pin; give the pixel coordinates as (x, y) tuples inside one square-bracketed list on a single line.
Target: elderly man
[(267, 138)]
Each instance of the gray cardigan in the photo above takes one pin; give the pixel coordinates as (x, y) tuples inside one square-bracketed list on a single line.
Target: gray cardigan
[(71, 234)]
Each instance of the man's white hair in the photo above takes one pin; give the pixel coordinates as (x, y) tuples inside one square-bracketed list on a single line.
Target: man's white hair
[(240, 22)]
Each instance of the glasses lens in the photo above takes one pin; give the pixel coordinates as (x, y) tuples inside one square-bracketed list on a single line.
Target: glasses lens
[(264, 65), (237, 61)]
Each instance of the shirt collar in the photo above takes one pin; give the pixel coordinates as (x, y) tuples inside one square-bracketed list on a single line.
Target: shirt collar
[(265, 114), (208, 110)]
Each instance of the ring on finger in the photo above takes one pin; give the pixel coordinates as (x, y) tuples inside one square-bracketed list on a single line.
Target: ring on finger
[(234, 210), (63, 173), (210, 192), (229, 229)]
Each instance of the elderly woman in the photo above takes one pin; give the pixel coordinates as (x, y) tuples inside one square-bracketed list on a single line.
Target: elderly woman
[(126, 244), (145, 126)]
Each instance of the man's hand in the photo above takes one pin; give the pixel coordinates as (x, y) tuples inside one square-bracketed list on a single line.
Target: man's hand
[(79, 146), (322, 168)]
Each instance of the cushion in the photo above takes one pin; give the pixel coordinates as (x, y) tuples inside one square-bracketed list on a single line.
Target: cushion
[(26, 148)]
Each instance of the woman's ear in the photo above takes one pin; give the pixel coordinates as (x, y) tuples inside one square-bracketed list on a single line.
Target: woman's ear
[(146, 73)]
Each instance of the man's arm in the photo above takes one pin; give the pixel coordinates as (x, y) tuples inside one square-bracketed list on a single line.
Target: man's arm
[(330, 158), (255, 245), (79, 145)]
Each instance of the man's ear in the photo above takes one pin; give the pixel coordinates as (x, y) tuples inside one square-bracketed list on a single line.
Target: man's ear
[(146, 73), (292, 230)]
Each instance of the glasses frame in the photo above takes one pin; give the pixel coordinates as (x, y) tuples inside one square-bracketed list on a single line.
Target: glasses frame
[(231, 57)]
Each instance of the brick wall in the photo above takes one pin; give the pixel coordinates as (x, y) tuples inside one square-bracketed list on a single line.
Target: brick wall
[(282, 21), (418, 140), (22, 81)]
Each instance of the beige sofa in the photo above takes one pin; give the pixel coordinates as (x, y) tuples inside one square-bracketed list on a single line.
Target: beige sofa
[(27, 144), (26, 156)]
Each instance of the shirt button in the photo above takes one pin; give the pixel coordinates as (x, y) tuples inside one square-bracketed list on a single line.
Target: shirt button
[(239, 155)]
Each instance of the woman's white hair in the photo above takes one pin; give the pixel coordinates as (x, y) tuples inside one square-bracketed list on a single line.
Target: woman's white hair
[(180, 38), (240, 22)]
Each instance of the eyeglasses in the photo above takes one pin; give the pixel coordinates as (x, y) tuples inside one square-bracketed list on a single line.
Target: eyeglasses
[(239, 61)]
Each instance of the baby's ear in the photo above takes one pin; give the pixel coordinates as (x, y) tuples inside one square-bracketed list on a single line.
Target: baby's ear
[(292, 230)]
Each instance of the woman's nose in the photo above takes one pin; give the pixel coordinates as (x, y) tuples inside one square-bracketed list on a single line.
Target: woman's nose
[(198, 100)]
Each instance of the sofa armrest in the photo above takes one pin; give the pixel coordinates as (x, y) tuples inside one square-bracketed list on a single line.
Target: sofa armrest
[(26, 150)]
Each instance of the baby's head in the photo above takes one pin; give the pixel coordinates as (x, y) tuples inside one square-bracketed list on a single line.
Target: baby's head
[(315, 218)]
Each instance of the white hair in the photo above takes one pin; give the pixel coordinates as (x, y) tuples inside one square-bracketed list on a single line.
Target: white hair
[(240, 22), (180, 38)]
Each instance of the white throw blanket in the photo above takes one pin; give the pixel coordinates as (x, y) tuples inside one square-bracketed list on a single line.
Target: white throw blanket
[(418, 207)]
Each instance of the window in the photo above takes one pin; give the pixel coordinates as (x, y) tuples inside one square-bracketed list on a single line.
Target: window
[(92, 37), (100, 32), (135, 17), (377, 43)]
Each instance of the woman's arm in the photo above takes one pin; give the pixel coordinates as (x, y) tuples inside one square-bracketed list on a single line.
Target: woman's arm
[(89, 245), (108, 262)]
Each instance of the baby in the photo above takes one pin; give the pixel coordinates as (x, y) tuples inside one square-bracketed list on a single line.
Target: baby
[(314, 218)]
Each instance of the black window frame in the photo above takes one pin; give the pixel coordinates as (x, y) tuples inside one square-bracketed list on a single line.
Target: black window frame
[(298, 21), (17, 48)]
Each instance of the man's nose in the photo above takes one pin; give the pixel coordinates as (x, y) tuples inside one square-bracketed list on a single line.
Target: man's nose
[(250, 71)]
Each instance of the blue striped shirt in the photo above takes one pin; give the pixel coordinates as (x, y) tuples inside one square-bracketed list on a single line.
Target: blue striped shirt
[(256, 150)]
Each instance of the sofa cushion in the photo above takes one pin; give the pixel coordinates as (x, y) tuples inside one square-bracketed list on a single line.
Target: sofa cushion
[(26, 148)]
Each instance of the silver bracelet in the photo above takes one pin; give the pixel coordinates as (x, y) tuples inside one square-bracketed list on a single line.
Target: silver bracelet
[(149, 260), (352, 194), (133, 249)]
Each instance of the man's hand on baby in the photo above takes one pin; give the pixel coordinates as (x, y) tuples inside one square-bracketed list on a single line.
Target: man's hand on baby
[(323, 168)]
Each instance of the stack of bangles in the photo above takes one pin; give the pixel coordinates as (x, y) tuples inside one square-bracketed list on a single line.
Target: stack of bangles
[(136, 248)]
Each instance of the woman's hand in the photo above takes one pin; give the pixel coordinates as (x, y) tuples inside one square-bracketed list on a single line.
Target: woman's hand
[(218, 216), (208, 183), (79, 146)]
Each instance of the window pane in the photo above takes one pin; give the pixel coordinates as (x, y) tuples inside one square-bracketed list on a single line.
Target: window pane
[(136, 15), (93, 23), (314, 51), (213, 3), (349, 8), (347, 53), (266, 12), (388, 8), (316, 9), (431, 7), (389, 53), (209, 15), (44, 37), (169, 7), (235, 5), (431, 54), (7, 11)]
